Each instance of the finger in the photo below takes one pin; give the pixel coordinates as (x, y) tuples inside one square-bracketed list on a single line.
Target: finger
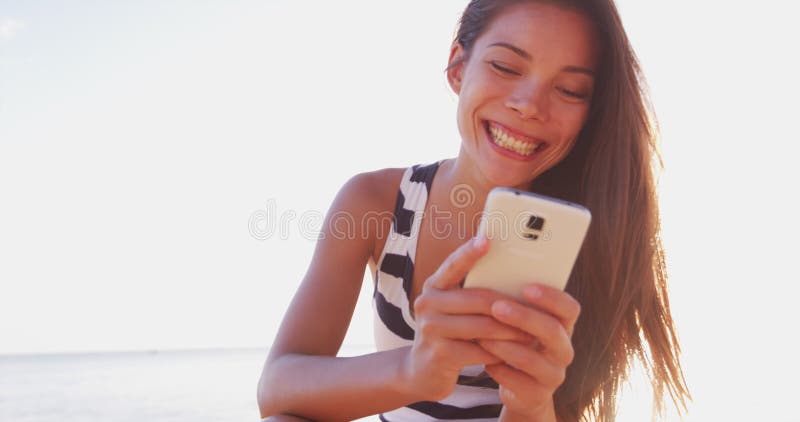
[(458, 301), (527, 360), (465, 353), (457, 264), (556, 302), (546, 328), (516, 387), (469, 327)]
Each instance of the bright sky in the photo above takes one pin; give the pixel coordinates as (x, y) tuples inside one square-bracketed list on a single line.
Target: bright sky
[(139, 140)]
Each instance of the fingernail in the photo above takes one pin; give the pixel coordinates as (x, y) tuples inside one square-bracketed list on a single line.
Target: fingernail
[(501, 308), (534, 292), (480, 241)]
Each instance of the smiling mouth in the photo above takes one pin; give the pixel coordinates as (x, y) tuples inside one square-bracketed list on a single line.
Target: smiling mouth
[(520, 145)]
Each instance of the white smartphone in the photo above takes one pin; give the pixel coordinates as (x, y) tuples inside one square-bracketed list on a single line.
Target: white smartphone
[(532, 238)]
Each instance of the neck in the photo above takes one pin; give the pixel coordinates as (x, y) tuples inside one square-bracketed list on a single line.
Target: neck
[(462, 171), (463, 188)]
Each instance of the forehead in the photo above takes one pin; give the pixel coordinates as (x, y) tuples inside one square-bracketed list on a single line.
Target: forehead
[(548, 32)]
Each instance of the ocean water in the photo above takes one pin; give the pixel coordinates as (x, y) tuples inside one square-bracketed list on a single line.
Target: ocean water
[(172, 386), (204, 385)]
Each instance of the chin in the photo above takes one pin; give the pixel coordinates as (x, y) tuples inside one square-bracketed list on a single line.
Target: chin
[(500, 175)]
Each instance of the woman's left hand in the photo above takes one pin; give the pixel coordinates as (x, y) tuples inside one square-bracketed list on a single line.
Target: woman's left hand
[(530, 373)]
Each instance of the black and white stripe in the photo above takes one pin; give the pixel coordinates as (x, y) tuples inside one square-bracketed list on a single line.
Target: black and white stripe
[(475, 397)]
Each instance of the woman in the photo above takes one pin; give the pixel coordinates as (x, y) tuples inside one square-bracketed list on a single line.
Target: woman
[(549, 101)]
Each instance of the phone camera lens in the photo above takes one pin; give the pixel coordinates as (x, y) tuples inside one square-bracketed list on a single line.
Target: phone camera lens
[(535, 222)]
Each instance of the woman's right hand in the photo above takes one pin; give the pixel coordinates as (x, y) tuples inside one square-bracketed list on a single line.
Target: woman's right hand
[(449, 321)]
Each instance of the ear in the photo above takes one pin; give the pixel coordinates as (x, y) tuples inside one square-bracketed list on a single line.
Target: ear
[(455, 74)]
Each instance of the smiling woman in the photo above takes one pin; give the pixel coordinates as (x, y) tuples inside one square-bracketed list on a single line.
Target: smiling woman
[(136, 138), (549, 101), (531, 106)]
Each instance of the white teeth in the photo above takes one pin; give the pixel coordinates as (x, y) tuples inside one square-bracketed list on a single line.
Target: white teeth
[(506, 141)]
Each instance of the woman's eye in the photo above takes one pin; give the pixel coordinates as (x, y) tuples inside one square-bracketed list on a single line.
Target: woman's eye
[(573, 94), (503, 69)]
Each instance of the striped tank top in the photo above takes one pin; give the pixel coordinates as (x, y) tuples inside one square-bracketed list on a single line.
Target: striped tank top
[(476, 396)]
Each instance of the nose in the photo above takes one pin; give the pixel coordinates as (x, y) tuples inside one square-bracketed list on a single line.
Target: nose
[(530, 100)]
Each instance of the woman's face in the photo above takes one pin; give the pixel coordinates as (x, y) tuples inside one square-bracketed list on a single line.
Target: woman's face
[(524, 92)]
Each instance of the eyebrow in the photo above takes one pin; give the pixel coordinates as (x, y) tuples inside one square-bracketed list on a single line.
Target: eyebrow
[(525, 55)]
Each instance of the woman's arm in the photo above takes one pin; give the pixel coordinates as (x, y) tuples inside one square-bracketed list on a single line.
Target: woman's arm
[(302, 376), (284, 418), (328, 388)]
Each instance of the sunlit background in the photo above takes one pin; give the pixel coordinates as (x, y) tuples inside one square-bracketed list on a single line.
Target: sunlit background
[(165, 166)]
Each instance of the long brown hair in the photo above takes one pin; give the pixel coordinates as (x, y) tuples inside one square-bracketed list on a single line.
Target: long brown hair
[(620, 277)]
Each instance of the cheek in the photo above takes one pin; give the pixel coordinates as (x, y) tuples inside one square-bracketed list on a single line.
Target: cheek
[(462, 120), (466, 115), (572, 120)]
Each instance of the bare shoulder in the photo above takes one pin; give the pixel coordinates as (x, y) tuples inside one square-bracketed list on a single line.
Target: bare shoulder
[(373, 191), (319, 314), (365, 205)]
